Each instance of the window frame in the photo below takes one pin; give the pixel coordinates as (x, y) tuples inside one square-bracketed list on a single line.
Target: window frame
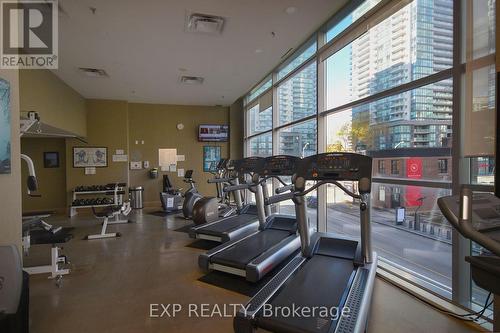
[(460, 172)]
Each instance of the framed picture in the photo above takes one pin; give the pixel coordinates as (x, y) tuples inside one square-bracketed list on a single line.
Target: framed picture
[(5, 155), (87, 157), (51, 159), (211, 156)]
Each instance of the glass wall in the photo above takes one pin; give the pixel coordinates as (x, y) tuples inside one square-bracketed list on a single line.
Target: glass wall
[(297, 96), (261, 145), (388, 92)]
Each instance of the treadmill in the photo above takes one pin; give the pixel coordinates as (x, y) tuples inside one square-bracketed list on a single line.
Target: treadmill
[(276, 239), (236, 226), (331, 272), (477, 217)]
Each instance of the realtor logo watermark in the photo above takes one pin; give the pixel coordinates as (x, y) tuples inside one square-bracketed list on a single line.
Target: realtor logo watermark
[(29, 34)]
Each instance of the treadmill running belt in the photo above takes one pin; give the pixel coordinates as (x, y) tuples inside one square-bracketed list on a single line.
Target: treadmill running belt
[(240, 254), (321, 282), (227, 224)]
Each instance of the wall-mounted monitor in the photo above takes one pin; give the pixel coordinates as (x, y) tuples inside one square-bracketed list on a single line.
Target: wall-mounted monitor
[(215, 133)]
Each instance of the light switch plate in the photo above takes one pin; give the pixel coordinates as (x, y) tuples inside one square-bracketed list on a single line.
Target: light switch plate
[(136, 165)]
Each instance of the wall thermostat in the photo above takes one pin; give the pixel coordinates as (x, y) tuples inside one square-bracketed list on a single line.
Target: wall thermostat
[(180, 126)]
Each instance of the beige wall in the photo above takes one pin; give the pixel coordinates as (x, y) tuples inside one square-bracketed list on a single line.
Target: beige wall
[(58, 104), (118, 125), (51, 181), (236, 129), (156, 125), (107, 127), (10, 184)]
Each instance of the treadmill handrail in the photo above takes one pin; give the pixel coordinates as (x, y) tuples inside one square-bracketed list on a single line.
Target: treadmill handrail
[(465, 223), (279, 197), (232, 188), (334, 182), (219, 180), (283, 189)]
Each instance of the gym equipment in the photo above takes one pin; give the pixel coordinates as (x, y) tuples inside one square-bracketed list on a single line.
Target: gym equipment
[(42, 215), (14, 292), (171, 198), (477, 217), (210, 209), (276, 239), (113, 191), (190, 196), (49, 235), (36, 231), (236, 226), (108, 213), (331, 272)]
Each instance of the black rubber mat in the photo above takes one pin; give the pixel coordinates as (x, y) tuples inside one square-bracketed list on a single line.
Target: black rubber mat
[(238, 284), (162, 213), (203, 244), (185, 228)]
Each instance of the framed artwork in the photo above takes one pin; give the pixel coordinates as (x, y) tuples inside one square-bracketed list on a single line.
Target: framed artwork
[(51, 159), (88, 157), (211, 156), (5, 155)]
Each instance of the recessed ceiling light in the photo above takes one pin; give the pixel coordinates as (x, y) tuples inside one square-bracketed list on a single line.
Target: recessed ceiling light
[(259, 51), (191, 80), (93, 72), (291, 10)]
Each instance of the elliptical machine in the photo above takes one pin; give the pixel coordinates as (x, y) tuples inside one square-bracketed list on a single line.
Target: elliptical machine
[(191, 196), (210, 209)]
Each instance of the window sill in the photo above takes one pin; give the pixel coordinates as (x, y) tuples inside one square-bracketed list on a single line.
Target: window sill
[(398, 278)]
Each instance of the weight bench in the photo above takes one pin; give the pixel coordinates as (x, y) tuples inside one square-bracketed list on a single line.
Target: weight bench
[(42, 215), (42, 235), (109, 213)]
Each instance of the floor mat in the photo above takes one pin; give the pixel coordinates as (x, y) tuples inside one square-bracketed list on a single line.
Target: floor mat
[(239, 284), (162, 213), (185, 228), (203, 244)]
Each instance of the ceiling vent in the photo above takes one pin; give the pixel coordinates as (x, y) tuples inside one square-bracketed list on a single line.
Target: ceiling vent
[(207, 24), (93, 72), (191, 80)]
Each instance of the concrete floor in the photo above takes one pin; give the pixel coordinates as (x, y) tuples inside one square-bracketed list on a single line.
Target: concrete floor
[(114, 281)]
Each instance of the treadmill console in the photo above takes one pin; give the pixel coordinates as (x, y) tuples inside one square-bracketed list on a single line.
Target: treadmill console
[(485, 211), (336, 166), (280, 165), (247, 165)]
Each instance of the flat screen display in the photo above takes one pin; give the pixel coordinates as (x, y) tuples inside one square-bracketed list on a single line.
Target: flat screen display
[(213, 133)]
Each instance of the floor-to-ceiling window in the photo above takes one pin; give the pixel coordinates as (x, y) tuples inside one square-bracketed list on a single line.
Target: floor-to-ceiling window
[(408, 135), (409, 83)]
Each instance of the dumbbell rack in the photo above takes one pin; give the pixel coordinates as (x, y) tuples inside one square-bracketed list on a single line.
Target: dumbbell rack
[(117, 194)]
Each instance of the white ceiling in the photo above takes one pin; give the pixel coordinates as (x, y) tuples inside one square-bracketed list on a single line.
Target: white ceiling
[(143, 46)]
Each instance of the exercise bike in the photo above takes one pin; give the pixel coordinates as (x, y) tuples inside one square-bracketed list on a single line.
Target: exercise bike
[(171, 198), (191, 196)]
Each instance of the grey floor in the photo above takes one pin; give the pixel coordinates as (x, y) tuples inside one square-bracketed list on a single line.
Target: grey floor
[(114, 281)]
